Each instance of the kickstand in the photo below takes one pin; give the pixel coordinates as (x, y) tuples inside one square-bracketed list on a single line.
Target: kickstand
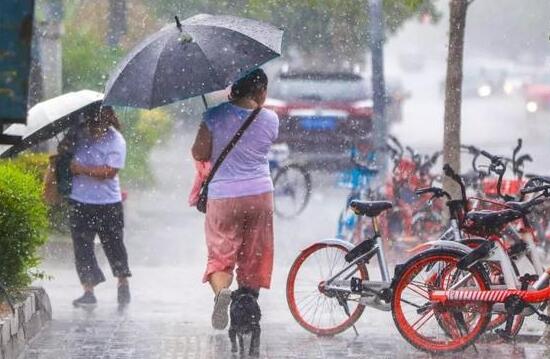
[(344, 304), (463, 327), (475, 348)]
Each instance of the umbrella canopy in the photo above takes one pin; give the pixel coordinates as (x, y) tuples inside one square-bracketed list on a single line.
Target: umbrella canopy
[(51, 117), (202, 54)]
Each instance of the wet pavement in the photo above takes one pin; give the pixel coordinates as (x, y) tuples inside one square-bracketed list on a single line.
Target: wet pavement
[(170, 313)]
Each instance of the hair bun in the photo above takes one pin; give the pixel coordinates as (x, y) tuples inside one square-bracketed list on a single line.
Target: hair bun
[(252, 83)]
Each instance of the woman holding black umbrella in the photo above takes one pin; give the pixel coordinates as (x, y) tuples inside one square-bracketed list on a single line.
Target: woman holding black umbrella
[(96, 205), (239, 215)]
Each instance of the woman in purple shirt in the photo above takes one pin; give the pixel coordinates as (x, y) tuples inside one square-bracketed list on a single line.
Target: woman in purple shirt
[(96, 205), (239, 214)]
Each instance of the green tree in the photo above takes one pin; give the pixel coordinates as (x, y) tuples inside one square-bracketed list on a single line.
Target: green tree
[(329, 30), (87, 61)]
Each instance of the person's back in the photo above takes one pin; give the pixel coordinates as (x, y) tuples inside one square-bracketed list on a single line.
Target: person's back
[(245, 171), (239, 211)]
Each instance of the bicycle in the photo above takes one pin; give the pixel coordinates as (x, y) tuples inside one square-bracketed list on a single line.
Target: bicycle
[(442, 301), (343, 281), (452, 325), (291, 182), (411, 217), (335, 270), (358, 179)]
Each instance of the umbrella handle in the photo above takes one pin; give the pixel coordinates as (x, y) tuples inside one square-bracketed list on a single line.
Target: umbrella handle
[(204, 102)]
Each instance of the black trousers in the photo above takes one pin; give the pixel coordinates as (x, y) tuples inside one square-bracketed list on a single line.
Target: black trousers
[(107, 221)]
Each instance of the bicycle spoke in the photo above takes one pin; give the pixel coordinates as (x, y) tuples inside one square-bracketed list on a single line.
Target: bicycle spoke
[(423, 319)]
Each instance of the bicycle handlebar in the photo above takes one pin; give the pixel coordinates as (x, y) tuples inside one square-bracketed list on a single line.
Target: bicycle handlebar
[(489, 156), (397, 144), (436, 191), (472, 149), (535, 189)]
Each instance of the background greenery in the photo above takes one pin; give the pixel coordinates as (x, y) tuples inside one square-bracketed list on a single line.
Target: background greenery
[(331, 31), (142, 131), (23, 229), (323, 30), (35, 165)]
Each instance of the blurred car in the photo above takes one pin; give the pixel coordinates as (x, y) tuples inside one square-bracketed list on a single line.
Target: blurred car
[(483, 82), (474, 86), (537, 94), (321, 113), (517, 78)]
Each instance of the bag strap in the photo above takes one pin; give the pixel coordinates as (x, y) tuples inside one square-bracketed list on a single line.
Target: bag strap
[(230, 145)]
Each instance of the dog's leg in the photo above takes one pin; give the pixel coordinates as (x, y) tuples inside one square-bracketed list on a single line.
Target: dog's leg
[(233, 339), (255, 341), (241, 343)]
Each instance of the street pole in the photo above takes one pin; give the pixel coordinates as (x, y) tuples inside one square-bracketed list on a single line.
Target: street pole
[(376, 43), (51, 30)]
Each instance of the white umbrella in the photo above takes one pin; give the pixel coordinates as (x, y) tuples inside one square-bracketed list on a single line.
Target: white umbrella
[(51, 117)]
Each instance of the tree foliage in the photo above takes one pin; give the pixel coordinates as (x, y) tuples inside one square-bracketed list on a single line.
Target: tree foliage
[(23, 226), (326, 29)]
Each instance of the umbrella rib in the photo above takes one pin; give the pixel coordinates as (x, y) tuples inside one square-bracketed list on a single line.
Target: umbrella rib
[(211, 69), (198, 27), (130, 57), (225, 27), (152, 94)]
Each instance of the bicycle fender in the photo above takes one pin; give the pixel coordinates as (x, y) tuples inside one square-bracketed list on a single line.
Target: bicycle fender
[(335, 241), (440, 244)]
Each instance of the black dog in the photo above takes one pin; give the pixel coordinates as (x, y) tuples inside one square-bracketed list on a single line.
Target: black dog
[(245, 315)]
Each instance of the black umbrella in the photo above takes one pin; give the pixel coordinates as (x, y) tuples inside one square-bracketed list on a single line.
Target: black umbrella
[(202, 54), (49, 118)]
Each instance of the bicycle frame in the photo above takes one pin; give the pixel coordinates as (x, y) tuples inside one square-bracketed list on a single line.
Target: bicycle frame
[(494, 296), (540, 293), (339, 283)]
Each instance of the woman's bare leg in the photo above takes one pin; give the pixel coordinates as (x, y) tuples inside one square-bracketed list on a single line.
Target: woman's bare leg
[(219, 281)]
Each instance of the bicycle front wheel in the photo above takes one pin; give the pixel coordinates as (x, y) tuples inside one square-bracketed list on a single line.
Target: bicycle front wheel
[(292, 185), (320, 311)]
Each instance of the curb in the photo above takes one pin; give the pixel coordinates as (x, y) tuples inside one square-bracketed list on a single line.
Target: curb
[(31, 315)]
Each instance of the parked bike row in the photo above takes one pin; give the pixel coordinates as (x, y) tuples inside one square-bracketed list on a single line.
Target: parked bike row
[(480, 270)]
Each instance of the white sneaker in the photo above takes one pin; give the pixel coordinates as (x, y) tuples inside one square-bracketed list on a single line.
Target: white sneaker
[(220, 317)]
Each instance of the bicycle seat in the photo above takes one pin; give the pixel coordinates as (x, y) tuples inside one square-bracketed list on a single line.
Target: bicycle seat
[(369, 208), (484, 223)]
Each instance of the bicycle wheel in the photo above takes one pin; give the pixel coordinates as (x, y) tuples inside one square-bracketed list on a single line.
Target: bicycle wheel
[(427, 224), (438, 328), (292, 185), (316, 309), (496, 278)]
